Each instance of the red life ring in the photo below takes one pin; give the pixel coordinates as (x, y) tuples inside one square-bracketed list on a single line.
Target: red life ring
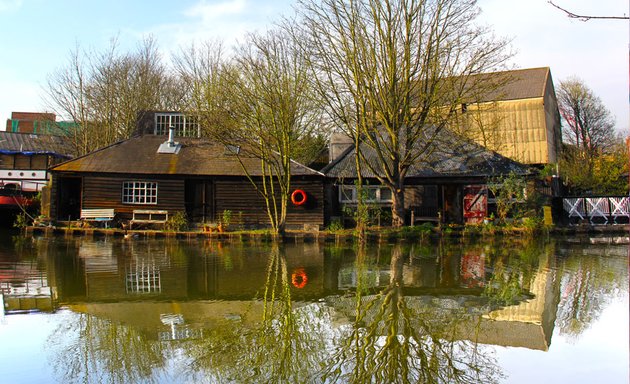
[(298, 197), (299, 278)]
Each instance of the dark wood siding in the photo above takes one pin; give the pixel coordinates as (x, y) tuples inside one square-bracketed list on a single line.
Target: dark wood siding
[(313, 211), (22, 162), (106, 192), (230, 193), (53, 203), (240, 197), (39, 162), (7, 161)]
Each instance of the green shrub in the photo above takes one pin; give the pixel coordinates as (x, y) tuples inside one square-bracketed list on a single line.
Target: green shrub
[(21, 221), (177, 222), (335, 225), (531, 224), (226, 218)]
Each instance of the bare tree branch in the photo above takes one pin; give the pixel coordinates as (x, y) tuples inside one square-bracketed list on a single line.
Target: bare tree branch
[(587, 17)]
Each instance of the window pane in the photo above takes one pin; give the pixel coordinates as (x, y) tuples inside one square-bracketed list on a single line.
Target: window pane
[(386, 194), (139, 192), (370, 194), (347, 193)]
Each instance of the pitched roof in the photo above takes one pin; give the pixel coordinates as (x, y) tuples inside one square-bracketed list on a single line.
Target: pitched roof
[(139, 155), (33, 144), (514, 85), (447, 156)]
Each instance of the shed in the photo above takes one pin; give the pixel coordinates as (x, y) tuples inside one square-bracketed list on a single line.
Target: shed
[(449, 182), (197, 176)]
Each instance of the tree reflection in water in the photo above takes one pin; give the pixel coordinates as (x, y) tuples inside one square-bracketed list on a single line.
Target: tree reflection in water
[(286, 344), (93, 350), (375, 333), (589, 283), (394, 340)]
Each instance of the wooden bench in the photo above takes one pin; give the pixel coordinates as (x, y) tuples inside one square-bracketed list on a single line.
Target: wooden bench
[(149, 216), (425, 215), (104, 215)]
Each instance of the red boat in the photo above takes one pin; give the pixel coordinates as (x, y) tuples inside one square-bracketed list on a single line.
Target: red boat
[(12, 199)]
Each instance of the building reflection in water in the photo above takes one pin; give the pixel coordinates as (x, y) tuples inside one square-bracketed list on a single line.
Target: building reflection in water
[(409, 306)]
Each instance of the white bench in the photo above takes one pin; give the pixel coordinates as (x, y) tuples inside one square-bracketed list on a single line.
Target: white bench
[(149, 216), (104, 215)]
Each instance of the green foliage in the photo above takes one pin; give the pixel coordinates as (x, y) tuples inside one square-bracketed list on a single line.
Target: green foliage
[(226, 217), (335, 225), (177, 222), (547, 171), (532, 224), (602, 173), (508, 192), (425, 228), (21, 221)]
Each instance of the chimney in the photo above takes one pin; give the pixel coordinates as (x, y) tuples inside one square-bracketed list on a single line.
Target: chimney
[(170, 146), (339, 143), (171, 136)]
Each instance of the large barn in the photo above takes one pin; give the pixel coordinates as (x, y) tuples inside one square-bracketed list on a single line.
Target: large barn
[(515, 114)]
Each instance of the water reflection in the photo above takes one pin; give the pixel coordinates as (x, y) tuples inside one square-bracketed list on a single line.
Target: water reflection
[(399, 339), (171, 311)]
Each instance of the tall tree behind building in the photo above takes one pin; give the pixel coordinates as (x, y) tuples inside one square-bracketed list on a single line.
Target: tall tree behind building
[(589, 125), (394, 72), (102, 92), (594, 157)]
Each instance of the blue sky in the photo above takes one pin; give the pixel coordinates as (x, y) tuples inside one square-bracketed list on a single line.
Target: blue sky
[(36, 37)]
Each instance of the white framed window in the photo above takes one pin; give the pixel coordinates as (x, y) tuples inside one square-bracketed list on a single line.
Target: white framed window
[(144, 278), (184, 125), (139, 192), (373, 194)]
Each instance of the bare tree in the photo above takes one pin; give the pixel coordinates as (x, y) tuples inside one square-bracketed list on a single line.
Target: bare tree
[(67, 93), (589, 124), (103, 92), (394, 73), (271, 103), (199, 70), (586, 17)]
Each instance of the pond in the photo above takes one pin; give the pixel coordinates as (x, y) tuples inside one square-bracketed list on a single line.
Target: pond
[(192, 311)]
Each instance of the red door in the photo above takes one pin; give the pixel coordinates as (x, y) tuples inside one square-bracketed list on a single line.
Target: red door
[(475, 203)]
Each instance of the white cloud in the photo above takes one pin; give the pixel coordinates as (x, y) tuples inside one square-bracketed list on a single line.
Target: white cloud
[(216, 11), (227, 21), (10, 5)]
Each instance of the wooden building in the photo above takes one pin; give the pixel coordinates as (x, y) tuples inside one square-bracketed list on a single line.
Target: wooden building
[(449, 184), (24, 162), (185, 174), (514, 113)]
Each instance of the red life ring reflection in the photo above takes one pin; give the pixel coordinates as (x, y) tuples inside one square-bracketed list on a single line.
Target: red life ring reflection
[(298, 197), (299, 278)]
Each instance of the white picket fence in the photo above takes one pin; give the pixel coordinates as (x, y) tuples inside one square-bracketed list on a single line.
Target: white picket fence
[(597, 210)]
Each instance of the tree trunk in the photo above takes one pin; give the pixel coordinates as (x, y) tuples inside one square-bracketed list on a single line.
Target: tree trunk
[(398, 208)]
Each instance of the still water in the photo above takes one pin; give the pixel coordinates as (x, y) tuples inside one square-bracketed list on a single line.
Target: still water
[(166, 311)]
